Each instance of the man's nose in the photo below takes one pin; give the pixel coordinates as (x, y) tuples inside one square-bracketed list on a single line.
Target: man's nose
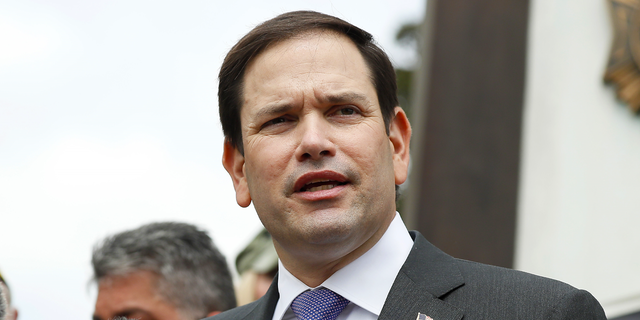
[(315, 139)]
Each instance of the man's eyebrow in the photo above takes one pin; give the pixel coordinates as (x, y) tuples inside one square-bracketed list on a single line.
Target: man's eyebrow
[(96, 317), (127, 313), (274, 109), (281, 108), (344, 97)]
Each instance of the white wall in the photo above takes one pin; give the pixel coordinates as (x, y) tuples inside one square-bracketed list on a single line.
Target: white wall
[(579, 206)]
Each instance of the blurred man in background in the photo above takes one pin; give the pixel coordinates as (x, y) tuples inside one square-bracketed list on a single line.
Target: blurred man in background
[(257, 265), (10, 312), (161, 271)]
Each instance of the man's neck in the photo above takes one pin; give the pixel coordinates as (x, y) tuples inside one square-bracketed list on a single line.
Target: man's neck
[(314, 265)]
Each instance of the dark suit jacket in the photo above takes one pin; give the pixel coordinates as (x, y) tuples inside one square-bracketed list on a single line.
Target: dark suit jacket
[(445, 288)]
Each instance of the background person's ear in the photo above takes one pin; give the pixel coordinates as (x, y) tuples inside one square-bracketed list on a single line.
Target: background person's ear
[(212, 313), (400, 136), (233, 162)]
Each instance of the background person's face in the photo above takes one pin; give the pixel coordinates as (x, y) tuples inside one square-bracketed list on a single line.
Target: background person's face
[(133, 296), (318, 164)]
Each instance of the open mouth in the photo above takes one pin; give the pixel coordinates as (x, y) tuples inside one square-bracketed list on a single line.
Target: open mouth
[(313, 183), (320, 185)]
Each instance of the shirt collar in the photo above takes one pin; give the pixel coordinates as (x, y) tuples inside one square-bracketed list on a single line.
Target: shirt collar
[(366, 281)]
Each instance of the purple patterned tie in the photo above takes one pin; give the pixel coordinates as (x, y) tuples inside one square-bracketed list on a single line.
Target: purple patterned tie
[(320, 304)]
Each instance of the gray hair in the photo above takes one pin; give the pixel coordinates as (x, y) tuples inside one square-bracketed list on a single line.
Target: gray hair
[(193, 274)]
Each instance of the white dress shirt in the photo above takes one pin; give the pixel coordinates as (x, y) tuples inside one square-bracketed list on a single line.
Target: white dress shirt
[(365, 282)]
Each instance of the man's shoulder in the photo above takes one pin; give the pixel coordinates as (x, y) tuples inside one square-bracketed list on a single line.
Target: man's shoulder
[(260, 309), (518, 292), (475, 275), (483, 291), (488, 276), (240, 312)]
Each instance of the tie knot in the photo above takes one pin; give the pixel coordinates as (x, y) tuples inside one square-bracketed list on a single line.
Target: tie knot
[(320, 304)]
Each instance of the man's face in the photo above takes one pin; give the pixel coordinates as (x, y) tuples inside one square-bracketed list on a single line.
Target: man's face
[(133, 296), (318, 163)]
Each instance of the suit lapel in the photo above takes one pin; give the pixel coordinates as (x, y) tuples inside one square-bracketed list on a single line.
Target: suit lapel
[(427, 275)]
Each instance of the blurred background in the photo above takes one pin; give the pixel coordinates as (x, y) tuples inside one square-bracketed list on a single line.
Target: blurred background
[(522, 155), (109, 120)]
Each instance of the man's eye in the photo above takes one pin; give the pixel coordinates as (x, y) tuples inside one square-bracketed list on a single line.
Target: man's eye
[(346, 111), (274, 122)]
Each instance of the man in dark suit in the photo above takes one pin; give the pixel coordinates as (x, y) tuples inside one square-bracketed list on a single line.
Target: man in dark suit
[(314, 137)]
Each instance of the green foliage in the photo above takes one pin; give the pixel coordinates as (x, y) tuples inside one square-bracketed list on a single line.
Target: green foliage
[(407, 36), (404, 79)]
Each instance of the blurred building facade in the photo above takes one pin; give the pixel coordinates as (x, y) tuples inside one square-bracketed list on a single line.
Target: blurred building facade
[(522, 156)]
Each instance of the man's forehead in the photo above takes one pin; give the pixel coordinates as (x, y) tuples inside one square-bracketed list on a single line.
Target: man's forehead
[(129, 277), (300, 57), (311, 36), (308, 42)]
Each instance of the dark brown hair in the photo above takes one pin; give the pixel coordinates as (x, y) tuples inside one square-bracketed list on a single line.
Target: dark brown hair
[(284, 27)]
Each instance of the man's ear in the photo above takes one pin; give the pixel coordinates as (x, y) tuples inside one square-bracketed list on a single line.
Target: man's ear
[(233, 162), (212, 313), (400, 136)]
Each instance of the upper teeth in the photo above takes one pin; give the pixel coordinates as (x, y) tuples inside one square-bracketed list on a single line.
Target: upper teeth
[(317, 181), (322, 187)]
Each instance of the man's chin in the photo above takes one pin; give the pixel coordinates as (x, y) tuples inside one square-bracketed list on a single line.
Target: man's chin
[(329, 231)]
